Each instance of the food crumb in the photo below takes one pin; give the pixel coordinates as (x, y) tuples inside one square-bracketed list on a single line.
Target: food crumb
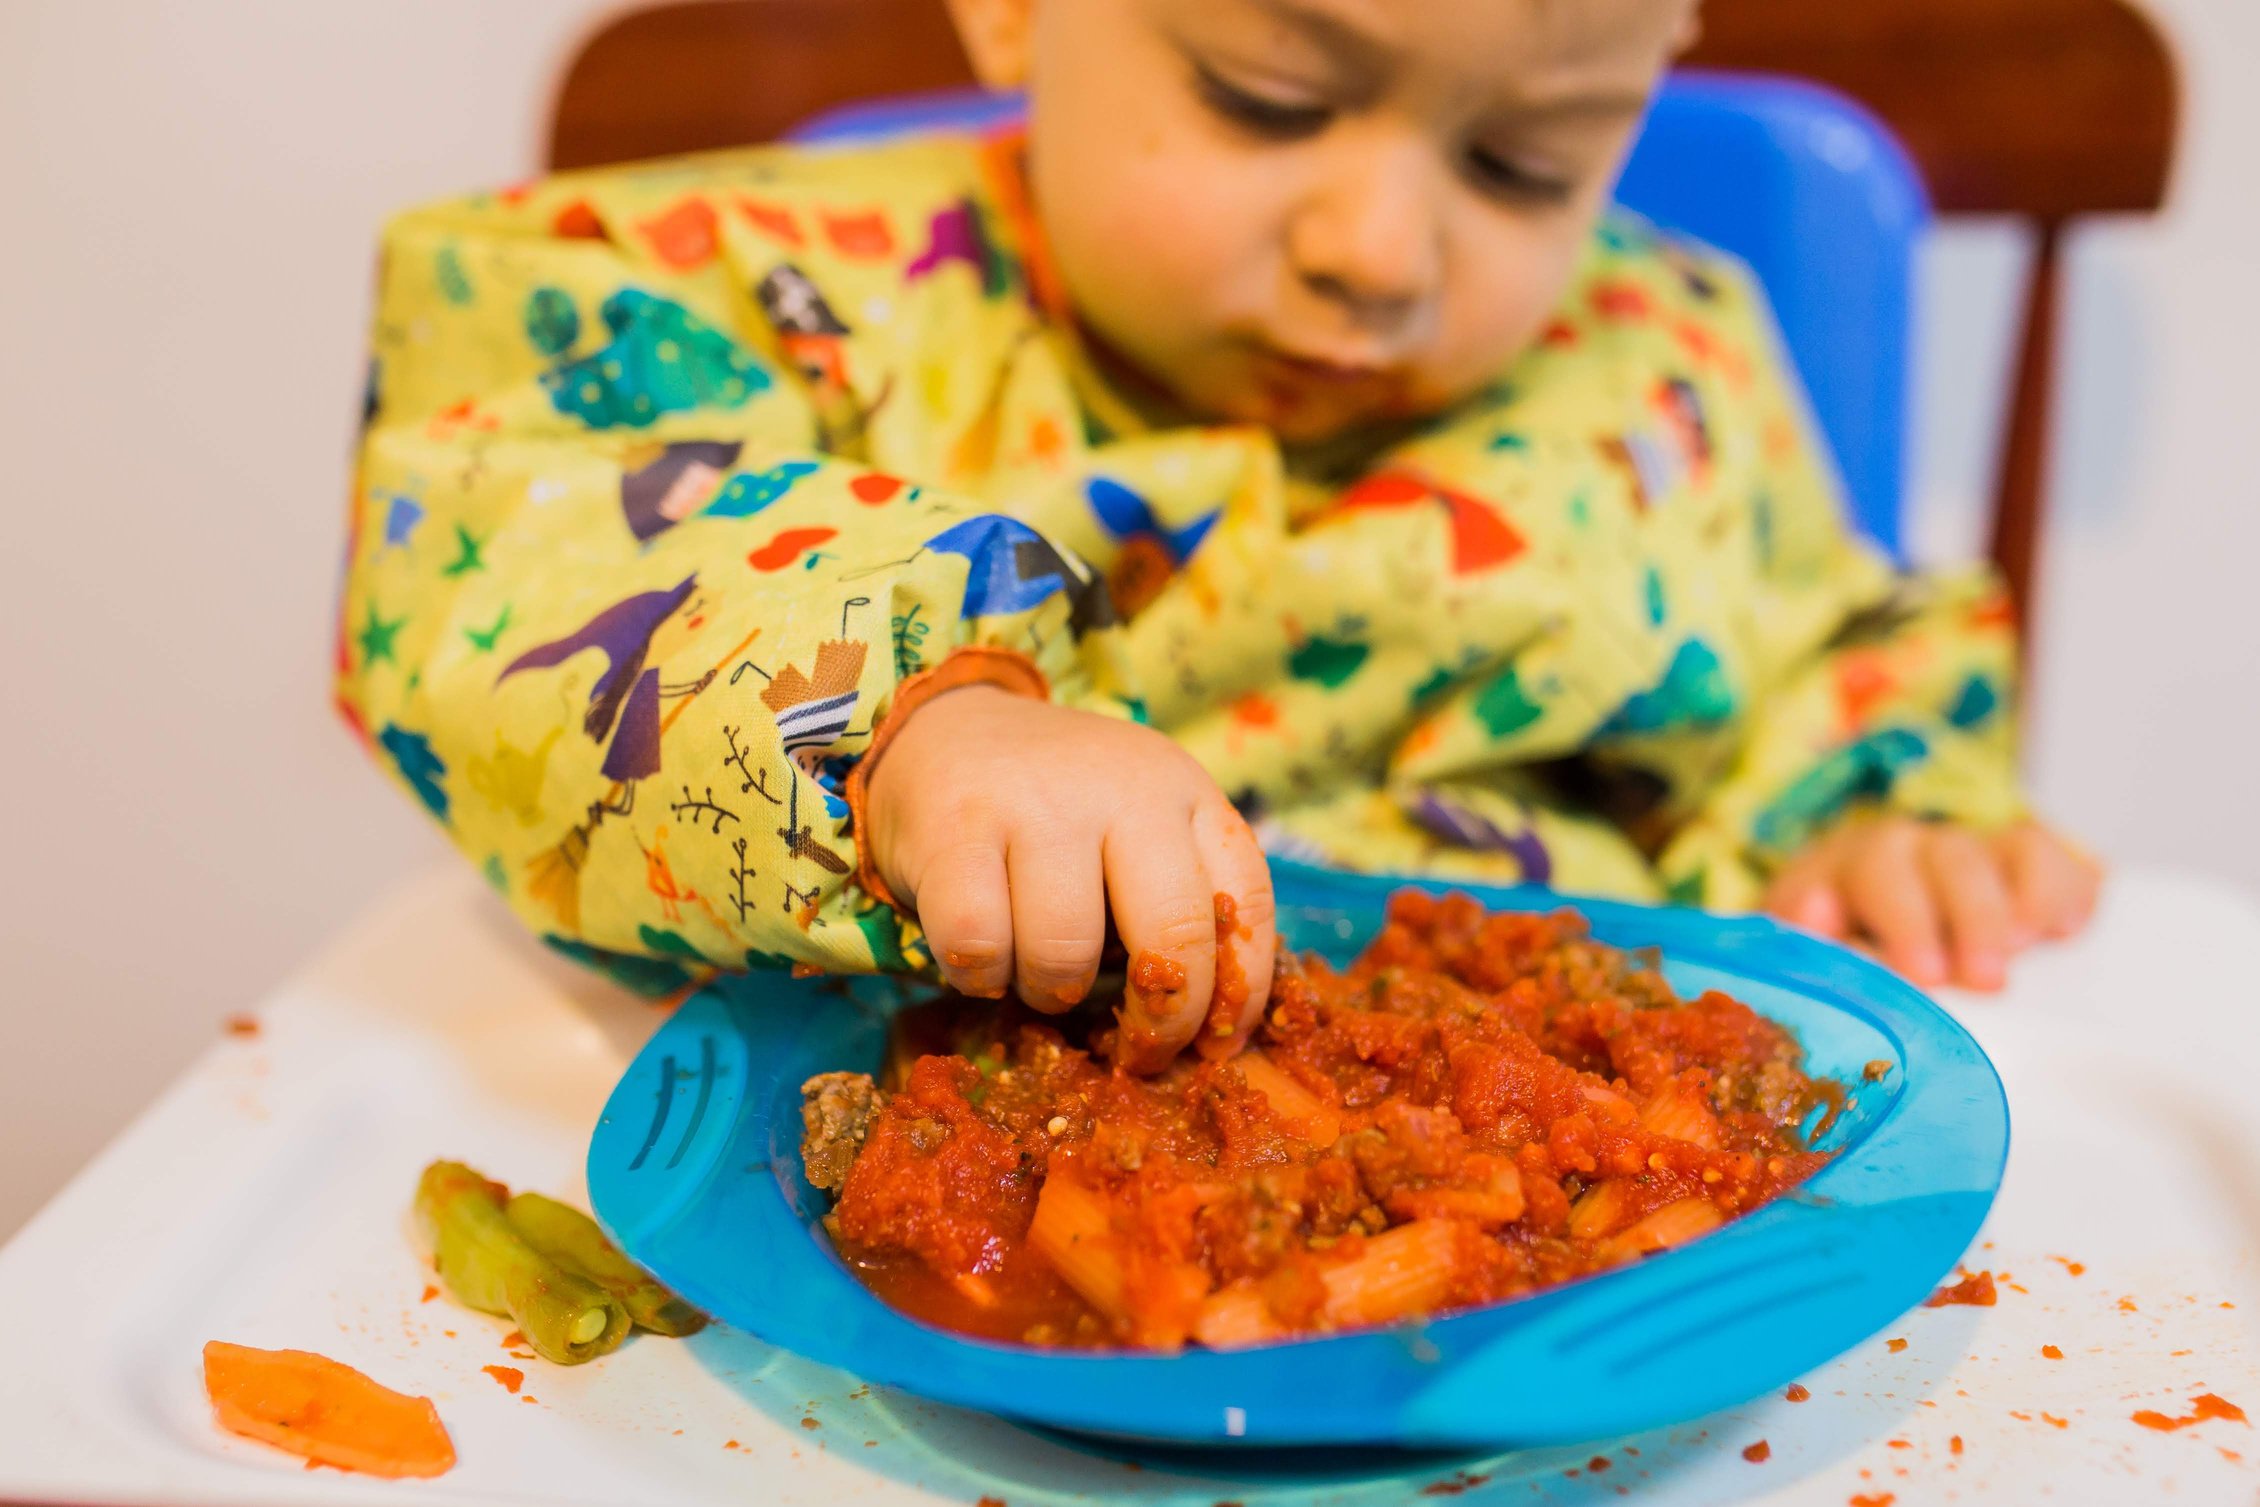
[(2076, 1268), (1757, 1454), (2126, 1305), (1797, 1392), (510, 1376), (732, 1444), (243, 1025), (1895, 1346), (528, 1397), (1976, 1290), (2201, 1407), (870, 1444), (1898, 1444), (430, 1292), (513, 1340), (990, 1502), (1597, 1464), (810, 1423), (2051, 1352), (1954, 1444), (1876, 1499), (1875, 1070), (2054, 1421)]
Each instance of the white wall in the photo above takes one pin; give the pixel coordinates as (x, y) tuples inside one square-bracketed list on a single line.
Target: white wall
[(188, 193), (187, 198)]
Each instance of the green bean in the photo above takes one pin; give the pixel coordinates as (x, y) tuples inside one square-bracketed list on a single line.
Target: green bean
[(573, 1240), (487, 1264)]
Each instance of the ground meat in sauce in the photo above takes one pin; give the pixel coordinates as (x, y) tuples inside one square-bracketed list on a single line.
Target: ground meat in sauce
[(1496, 1099), (836, 1112)]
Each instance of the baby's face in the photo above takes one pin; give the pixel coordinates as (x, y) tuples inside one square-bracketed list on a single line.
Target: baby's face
[(1311, 214)]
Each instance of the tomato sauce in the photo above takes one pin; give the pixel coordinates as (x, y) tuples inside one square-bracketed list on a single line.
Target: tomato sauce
[(1480, 1106)]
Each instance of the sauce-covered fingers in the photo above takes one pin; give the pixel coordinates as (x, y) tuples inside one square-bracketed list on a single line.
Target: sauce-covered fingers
[(1972, 895), (1165, 909), (2052, 885), (1058, 919), (966, 910), (1245, 939), (1888, 895)]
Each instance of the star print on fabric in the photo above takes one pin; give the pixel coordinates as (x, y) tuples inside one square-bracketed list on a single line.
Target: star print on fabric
[(402, 514), (376, 638), (469, 559), (484, 639)]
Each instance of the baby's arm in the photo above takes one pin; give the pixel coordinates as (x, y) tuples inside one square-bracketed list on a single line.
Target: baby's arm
[(1013, 826)]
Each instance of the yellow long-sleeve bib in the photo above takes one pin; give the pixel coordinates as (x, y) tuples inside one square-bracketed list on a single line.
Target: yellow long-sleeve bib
[(673, 474)]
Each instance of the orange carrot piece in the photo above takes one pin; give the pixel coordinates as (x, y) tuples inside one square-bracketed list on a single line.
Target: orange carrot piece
[(324, 1411)]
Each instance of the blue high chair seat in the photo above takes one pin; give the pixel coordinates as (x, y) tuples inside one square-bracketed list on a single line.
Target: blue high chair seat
[(1802, 184)]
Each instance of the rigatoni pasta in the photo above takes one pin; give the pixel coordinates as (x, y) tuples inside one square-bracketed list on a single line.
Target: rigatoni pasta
[(1481, 1106)]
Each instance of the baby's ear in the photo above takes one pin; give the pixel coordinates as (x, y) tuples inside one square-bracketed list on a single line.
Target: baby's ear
[(997, 36)]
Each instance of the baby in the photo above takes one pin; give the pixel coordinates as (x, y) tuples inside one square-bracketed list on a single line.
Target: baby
[(859, 557)]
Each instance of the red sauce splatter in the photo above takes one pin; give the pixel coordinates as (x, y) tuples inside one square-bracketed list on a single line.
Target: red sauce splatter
[(990, 1502), (1898, 1444), (430, 1292), (513, 1340), (510, 1376), (1459, 1482), (243, 1025), (2020, 1417), (1759, 1453), (2126, 1305), (1895, 1346), (1976, 1291), (1876, 1499), (732, 1444), (1597, 1464), (2229, 1455), (529, 1397), (2076, 1268), (1954, 1444), (1797, 1392), (1152, 973), (2051, 1352), (2053, 1421), (2201, 1407)]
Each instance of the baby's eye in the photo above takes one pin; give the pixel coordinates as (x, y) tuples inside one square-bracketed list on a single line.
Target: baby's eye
[(1283, 120), (1505, 178)]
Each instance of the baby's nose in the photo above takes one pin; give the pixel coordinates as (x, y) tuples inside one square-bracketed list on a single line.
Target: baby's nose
[(1368, 238)]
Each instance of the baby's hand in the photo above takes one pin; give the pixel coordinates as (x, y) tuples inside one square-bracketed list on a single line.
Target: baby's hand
[(1010, 825), (1940, 903)]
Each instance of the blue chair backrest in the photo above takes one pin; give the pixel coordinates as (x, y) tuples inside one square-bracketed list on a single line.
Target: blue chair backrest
[(1800, 183)]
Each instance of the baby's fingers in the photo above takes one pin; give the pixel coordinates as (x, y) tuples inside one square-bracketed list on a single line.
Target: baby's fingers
[(1969, 887), (2054, 887), (1165, 908), (967, 913), (1805, 894), (1244, 957), (1058, 919), (1889, 897)]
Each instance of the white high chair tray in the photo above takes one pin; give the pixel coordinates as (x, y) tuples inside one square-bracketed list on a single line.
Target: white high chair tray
[(263, 1200)]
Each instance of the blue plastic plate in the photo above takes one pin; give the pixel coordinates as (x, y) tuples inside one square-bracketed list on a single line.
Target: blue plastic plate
[(695, 1169)]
